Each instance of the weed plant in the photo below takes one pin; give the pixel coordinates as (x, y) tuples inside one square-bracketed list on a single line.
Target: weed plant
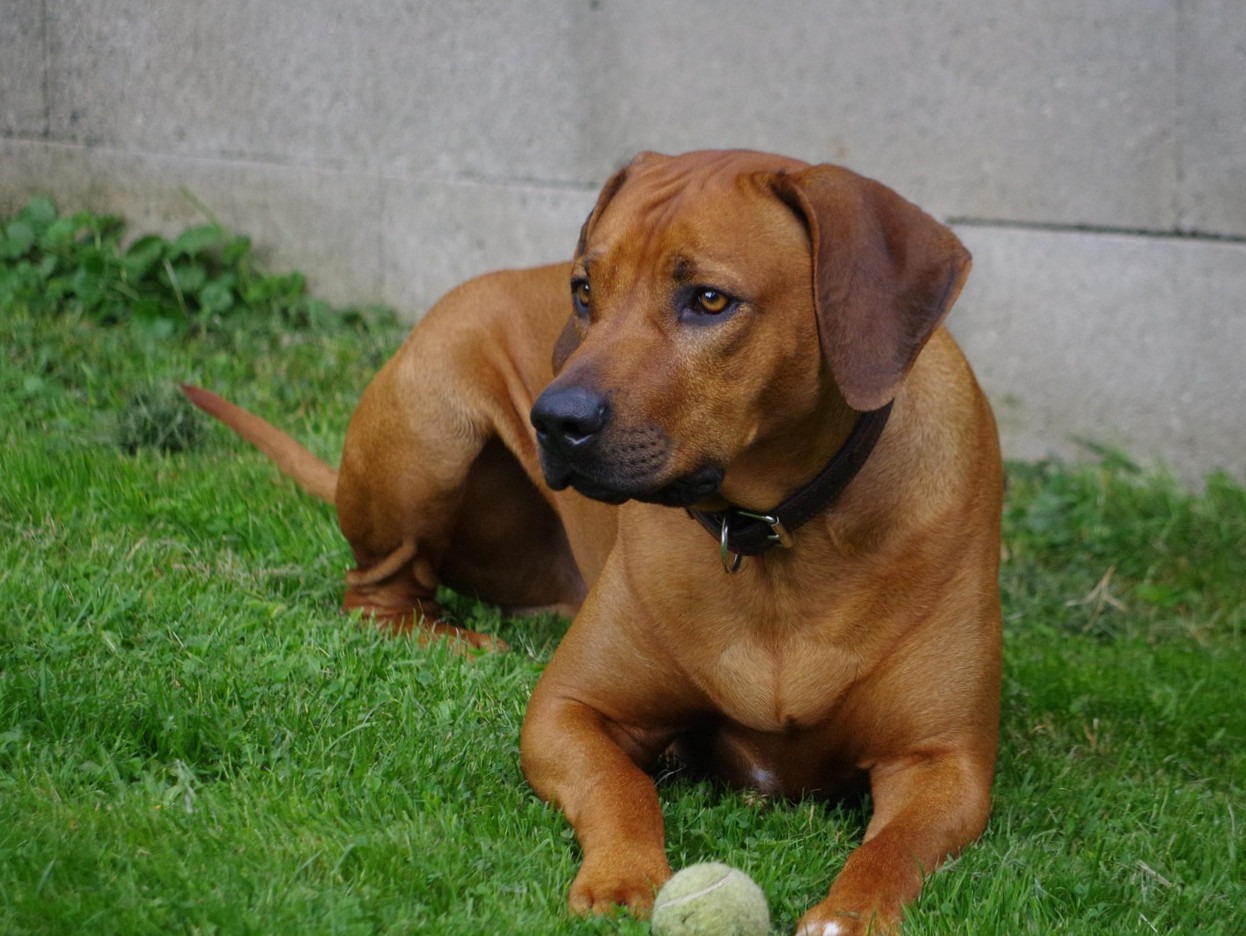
[(192, 739)]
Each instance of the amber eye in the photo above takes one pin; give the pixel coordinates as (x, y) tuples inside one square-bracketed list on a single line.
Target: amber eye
[(581, 294), (711, 301)]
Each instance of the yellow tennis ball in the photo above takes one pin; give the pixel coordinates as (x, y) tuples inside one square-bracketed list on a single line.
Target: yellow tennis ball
[(710, 899)]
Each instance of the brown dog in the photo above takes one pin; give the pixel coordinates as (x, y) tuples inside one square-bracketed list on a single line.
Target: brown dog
[(754, 349)]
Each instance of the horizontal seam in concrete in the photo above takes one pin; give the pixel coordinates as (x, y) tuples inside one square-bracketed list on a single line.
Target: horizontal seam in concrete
[(105, 149), (552, 185), (1057, 228)]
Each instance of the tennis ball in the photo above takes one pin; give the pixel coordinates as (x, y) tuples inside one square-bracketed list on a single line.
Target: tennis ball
[(710, 899)]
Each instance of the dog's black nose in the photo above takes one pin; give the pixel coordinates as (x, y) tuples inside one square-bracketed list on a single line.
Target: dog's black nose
[(567, 419)]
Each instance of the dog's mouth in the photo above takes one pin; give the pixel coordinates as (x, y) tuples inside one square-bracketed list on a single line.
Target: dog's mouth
[(683, 491)]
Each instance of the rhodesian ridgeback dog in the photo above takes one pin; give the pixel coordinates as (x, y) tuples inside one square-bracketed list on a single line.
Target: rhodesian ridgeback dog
[(758, 465)]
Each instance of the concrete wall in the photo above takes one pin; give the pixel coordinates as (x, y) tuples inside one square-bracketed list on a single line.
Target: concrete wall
[(1092, 155)]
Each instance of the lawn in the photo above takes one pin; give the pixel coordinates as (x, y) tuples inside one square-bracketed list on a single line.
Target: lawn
[(192, 739)]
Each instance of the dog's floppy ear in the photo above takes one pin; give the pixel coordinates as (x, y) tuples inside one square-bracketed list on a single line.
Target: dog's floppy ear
[(569, 339), (885, 274)]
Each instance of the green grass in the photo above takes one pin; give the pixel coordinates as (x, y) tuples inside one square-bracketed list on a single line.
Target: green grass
[(192, 739)]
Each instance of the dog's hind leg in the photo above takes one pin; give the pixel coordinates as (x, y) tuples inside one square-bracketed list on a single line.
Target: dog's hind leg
[(400, 487), (432, 490)]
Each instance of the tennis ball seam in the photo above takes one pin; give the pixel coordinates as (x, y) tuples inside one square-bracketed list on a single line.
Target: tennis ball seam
[(697, 895)]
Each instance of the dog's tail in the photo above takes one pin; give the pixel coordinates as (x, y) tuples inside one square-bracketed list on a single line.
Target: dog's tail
[(310, 473)]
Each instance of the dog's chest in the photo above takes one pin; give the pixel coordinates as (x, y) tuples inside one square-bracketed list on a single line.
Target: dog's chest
[(777, 688), (779, 720)]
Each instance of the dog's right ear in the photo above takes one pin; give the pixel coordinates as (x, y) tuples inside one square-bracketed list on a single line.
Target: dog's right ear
[(569, 340)]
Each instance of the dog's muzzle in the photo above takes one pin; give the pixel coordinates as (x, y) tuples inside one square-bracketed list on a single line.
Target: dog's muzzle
[(582, 447)]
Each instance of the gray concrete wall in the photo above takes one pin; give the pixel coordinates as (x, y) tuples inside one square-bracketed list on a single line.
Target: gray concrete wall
[(1092, 155)]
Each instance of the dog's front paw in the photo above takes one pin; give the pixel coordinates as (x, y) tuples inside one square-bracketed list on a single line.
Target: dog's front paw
[(824, 920), (604, 887)]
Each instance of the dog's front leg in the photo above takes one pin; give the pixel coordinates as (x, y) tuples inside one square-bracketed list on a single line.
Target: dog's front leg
[(587, 766), (925, 809)]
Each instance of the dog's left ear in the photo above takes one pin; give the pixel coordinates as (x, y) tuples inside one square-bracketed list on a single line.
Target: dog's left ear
[(569, 339), (885, 274)]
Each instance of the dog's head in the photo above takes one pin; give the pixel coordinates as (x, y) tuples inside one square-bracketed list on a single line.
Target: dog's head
[(727, 302)]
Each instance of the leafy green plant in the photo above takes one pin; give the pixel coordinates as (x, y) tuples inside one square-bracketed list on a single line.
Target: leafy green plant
[(74, 292), (193, 282)]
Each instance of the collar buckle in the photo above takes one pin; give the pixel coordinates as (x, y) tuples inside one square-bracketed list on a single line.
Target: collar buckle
[(778, 535), (778, 532)]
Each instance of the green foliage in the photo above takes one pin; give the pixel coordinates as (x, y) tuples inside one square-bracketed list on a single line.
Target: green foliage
[(203, 277), (192, 739)]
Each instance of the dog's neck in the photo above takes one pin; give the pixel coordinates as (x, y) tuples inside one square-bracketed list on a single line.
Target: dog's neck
[(750, 533)]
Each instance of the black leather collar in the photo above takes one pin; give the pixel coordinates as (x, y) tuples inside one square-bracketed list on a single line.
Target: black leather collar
[(745, 533)]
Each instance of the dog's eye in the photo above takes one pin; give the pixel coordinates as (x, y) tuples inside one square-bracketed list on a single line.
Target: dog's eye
[(711, 301), (581, 295)]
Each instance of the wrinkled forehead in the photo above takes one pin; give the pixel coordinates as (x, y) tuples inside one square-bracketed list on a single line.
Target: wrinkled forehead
[(714, 202), (707, 168)]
